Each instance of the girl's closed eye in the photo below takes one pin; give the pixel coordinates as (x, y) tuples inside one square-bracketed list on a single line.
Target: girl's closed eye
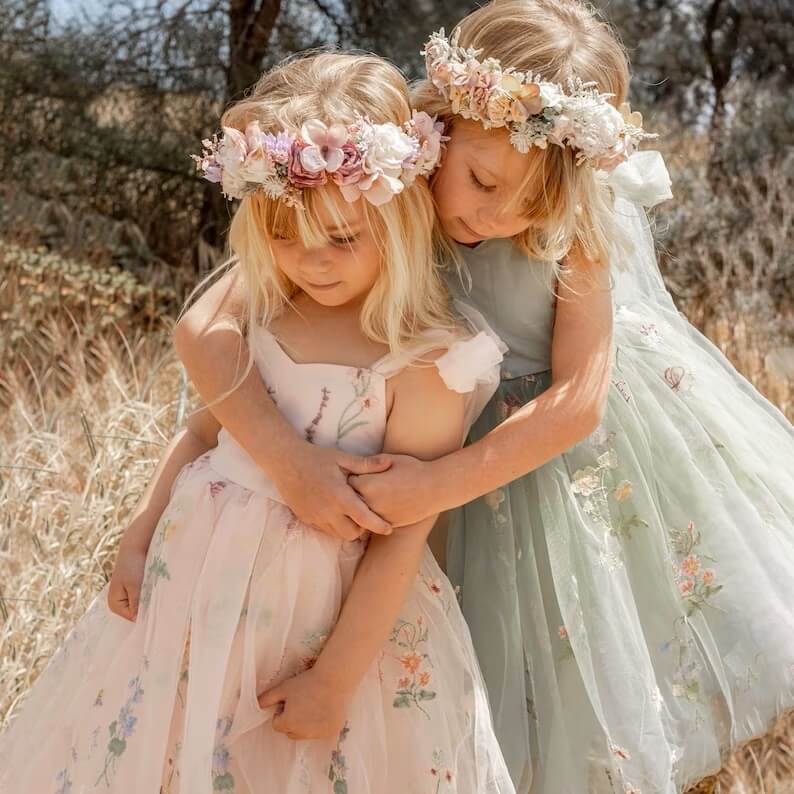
[(340, 241), (478, 183)]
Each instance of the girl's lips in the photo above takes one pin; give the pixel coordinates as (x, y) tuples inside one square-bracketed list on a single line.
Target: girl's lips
[(323, 286)]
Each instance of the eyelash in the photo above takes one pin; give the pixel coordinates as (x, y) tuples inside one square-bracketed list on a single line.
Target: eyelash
[(476, 182), (344, 240)]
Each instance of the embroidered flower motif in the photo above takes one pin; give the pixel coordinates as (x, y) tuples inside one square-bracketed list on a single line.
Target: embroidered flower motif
[(651, 335), (439, 773), (222, 779), (690, 565), (120, 730), (337, 771), (363, 399), (311, 428), (216, 487), (562, 632), (695, 583), (412, 689), (494, 499), (678, 379), (411, 662), (620, 752), (623, 490), (64, 782)]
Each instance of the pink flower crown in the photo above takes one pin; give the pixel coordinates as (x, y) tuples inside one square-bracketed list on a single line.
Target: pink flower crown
[(376, 161), (535, 111)]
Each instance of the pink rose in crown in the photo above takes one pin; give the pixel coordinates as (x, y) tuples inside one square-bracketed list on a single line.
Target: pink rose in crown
[(299, 174), (352, 167)]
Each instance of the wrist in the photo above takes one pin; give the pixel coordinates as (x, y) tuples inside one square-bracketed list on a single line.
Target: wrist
[(445, 480), (287, 459), (335, 676)]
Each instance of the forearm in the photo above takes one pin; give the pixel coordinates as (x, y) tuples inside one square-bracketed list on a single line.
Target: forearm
[(537, 433), (182, 449), (382, 582), (248, 413)]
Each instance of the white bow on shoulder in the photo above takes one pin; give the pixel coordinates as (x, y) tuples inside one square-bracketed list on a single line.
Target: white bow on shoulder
[(642, 178)]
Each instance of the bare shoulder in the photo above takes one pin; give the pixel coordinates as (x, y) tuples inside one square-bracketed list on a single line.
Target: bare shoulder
[(224, 301)]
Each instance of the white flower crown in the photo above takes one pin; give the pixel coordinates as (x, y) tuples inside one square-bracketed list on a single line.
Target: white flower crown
[(535, 111), (376, 161)]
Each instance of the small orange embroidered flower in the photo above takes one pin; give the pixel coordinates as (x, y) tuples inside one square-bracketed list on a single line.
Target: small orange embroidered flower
[(403, 683), (411, 662), (690, 566), (685, 586), (424, 679), (708, 576), (563, 632), (620, 752)]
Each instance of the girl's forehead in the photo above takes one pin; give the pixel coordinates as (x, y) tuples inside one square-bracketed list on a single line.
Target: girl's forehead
[(332, 211), (491, 152)]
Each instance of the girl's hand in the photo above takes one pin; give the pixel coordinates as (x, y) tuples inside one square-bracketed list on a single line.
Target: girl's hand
[(312, 707), (125, 583), (313, 482), (405, 494)]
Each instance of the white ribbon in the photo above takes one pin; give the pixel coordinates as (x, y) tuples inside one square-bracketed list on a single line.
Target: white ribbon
[(642, 178)]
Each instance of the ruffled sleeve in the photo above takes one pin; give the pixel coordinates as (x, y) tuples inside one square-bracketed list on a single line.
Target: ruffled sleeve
[(471, 366)]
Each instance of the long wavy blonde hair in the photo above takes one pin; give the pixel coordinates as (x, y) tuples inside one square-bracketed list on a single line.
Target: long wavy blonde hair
[(567, 205), (408, 296)]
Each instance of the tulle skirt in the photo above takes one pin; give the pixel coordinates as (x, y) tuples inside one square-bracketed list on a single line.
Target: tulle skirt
[(631, 601), (237, 596)]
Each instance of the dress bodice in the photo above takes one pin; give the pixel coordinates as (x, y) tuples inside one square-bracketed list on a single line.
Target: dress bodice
[(331, 405), (516, 296)]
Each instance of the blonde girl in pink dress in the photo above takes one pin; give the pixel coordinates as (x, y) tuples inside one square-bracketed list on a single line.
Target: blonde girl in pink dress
[(266, 656)]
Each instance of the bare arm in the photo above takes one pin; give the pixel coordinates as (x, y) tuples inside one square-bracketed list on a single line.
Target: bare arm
[(312, 481), (199, 435), (426, 420), (539, 431)]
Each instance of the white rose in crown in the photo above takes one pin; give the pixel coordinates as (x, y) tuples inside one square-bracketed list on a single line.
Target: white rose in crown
[(387, 148), (597, 130)]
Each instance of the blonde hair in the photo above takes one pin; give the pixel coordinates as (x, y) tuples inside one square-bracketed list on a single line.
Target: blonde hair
[(567, 205), (408, 296)]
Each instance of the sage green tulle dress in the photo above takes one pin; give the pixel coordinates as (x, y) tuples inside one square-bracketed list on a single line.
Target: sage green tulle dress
[(632, 601)]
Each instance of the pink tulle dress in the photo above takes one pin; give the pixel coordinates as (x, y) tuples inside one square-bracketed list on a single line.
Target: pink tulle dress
[(238, 595)]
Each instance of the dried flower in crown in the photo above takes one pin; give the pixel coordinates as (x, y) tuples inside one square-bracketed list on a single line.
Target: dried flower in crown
[(535, 111), (376, 161)]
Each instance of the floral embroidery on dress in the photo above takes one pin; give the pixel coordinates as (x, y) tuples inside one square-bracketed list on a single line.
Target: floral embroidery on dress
[(412, 689), (222, 779), (565, 640), (314, 642), (591, 484), (436, 588), (121, 729), (695, 583), (64, 782), (337, 770), (157, 567), (678, 379), (311, 428), (362, 401), (441, 775), (216, 486), (620, 754)]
